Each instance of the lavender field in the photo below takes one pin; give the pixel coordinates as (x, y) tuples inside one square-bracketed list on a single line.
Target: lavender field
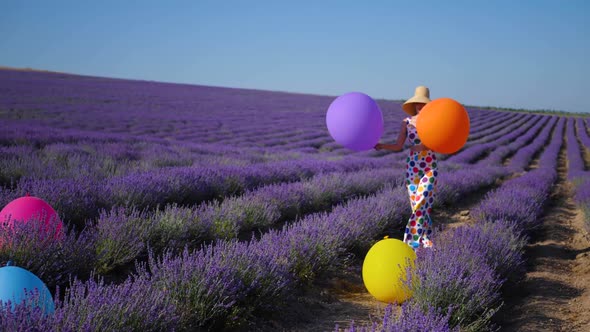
[(194, 208)]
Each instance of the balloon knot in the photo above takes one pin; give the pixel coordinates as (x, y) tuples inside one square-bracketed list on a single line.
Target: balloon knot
[(10, 263), (28, 195), (386, 237)]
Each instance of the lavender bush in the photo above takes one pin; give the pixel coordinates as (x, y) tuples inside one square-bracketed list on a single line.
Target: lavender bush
[(411, 318), (454, 278), (32, 246), (576, 167), (93, 306), (224, 286), (75, 200), (505, 203), (582, 198), (121, 236), (582, 133), (578, 174), (501, 241)]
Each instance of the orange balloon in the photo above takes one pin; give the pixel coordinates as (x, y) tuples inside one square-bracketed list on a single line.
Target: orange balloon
[(443, 125)]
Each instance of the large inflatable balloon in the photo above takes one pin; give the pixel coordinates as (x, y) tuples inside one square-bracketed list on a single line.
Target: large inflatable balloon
[(385, 270), (25, 209), (443, 125), (355, 121), (17, 286)]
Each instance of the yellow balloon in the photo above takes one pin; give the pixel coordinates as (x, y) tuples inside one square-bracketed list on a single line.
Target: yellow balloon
[(385, 270)]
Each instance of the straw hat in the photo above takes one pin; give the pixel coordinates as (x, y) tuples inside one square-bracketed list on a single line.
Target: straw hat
[(421, 95)]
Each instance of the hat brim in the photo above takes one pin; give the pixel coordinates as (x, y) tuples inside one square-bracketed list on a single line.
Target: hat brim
[(408, 106)]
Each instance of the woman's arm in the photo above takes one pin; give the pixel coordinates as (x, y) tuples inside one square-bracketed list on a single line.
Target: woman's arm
[(418, 148), (399, 144)]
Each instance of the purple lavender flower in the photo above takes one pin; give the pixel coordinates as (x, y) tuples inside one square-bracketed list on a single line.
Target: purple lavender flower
[(410, 318), (462, 280), (52, 260), (121, 237)]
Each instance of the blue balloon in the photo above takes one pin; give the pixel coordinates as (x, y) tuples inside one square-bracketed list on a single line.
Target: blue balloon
[(13, 282)]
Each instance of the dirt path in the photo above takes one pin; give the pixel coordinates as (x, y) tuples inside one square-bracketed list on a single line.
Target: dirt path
[(336, 299), (555, 292)]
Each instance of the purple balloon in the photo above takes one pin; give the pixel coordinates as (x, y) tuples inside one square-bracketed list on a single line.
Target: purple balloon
[(355, 121)]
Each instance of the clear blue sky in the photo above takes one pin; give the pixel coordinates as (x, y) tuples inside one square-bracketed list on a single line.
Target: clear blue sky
[(530, 54)]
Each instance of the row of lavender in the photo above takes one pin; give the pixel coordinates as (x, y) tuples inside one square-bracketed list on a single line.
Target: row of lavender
[(578, 142), (459, 285), (122, 235), (81, 199)]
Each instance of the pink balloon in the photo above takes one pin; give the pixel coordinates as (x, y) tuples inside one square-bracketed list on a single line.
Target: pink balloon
[(24, 209)]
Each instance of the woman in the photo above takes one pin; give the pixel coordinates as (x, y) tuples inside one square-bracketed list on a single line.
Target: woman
[(421, 172)]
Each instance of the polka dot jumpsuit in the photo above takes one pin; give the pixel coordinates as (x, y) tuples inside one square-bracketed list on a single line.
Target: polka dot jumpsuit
[(421, 173)]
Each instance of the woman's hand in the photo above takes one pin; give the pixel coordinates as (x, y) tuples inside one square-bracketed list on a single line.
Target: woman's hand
[(389, 147)]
